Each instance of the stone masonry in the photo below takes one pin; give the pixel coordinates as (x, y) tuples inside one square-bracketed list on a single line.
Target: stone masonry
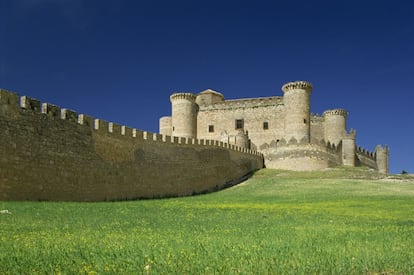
[(52, 153), (280, 127)]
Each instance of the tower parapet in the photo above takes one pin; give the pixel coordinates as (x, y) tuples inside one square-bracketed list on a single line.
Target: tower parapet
[(335, 125), (184, 115), (297, 110), (297, 85)]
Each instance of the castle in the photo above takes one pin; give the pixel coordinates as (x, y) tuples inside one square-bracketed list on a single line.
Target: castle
[(281, 128), (208, 143)]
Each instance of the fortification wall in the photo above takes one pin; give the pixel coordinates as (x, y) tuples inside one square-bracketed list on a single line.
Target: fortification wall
[(49, 153), (365, 158), (301, 156), (263, 118), (316, 127)]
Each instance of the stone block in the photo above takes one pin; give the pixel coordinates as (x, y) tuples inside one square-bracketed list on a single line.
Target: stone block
[(29, 103), (69, 115), (51, 110)]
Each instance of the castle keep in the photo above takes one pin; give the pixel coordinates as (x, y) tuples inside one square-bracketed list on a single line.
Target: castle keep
[(282, 128)]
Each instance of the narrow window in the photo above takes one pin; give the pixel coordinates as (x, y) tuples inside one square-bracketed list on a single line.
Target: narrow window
[(211, 128), (239, 124), (304, 120), (265, 125)]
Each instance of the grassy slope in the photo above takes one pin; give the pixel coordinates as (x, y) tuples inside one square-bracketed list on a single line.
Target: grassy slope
[(347, 221)]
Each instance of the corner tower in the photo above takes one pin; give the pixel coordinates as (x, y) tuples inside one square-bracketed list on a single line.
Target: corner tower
[(184, 115), (297, 110), (334, 125)]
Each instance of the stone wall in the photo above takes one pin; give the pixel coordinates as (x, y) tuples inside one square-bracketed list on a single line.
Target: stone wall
[(48, 153), (365, 158), (301, 157), (254, 113), (317, 127)]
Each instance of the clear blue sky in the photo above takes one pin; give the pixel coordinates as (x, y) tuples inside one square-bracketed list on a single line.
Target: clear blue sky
[(120, 60)]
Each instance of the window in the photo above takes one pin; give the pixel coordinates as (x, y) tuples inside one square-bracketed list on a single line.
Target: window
[(211, 128), (265, 125), (239, 124)]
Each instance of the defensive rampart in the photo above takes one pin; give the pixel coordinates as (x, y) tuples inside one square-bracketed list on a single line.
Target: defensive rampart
[(49, 153), (365, 158), (294, 155)]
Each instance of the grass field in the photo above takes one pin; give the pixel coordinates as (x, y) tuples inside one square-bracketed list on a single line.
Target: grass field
[(332, 222)]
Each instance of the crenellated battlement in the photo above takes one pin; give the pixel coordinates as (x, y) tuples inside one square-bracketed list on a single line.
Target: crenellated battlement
[(69, 115), (365, 152), (293, 142), (30, 103), (243, 103), (336, 112), (316, 118), (296, 85), (351, 134), (183, 96), (51, 110), (8, 97), (76, 157), (100, 126)]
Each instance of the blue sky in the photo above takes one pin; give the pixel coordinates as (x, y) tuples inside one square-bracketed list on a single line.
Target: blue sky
[(120, 60)]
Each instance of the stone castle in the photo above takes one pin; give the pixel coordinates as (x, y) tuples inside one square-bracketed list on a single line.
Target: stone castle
[(208, 143), (281, 128)]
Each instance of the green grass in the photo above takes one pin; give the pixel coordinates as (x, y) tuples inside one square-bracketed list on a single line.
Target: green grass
[(339, 221)]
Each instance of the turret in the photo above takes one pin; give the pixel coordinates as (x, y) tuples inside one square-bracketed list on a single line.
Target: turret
[(166, 126), (348, 148), (334, 125), (242, 139), (184, 115), (382, 154), (297, 110)]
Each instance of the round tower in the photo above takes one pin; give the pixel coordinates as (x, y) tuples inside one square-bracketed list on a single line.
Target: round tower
[(242, 139), (334, 125), (297, 110), (382, 158), (184, 115), (165, 126)]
